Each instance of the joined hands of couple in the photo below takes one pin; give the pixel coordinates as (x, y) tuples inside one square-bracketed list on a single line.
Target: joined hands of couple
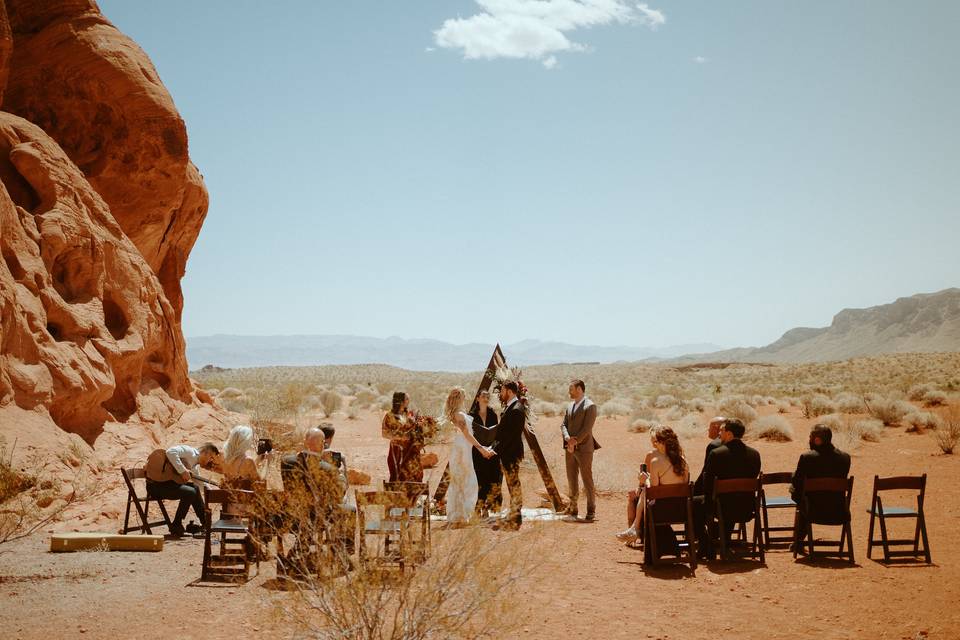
[(486, 452)]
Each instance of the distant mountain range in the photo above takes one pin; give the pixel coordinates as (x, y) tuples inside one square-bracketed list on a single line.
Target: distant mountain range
[(418, 355), (922, 323)]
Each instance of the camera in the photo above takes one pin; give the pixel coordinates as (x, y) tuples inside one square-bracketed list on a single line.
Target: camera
[(264, 445)]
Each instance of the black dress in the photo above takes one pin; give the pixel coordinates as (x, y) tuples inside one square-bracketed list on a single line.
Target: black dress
[(489, 473)]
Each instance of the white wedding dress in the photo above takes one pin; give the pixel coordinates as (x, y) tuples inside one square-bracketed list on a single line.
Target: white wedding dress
[(463, 488)]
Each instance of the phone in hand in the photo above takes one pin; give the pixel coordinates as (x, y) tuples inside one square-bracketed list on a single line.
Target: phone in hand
[(643, 467), (264, 445)]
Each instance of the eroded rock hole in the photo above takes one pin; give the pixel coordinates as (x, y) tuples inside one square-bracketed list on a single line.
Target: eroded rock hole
[(13, 264), (55, 331), (114, 318), (73, 276)]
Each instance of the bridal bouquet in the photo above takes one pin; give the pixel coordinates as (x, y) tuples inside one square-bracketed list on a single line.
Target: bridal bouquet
[(424, 427)]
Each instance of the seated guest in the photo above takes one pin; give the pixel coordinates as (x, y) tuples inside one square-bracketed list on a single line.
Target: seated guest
[(174, 474), (333, 457), (403, 455), (732, 459), (241, 463), (316, 490), (823, 460), (665, 465), (713, 432)]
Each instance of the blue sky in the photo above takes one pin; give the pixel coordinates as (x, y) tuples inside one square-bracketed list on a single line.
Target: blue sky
[(599, 173)]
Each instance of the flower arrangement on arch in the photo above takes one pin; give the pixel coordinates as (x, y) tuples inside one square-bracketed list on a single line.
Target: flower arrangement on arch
[(502, 375)]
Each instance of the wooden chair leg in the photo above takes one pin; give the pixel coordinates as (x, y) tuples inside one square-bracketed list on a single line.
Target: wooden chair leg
[(873, 517), (758, 541), (810, 537), (883, 537), (723, 534), (797, 540), (848, 528), (923, 532)]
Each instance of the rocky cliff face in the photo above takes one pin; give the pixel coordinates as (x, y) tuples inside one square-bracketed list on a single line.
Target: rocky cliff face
[(99, 210)]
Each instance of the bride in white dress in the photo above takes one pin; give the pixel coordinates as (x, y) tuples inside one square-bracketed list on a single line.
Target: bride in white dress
[(463, 488)]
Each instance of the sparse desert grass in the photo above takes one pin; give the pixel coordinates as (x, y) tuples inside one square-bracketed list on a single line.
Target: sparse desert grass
[(890, 412), (739, 409), (641, 425), (817, 405), (775, 428), (934, 398), (616, 407), (921, 421), (849, 403)]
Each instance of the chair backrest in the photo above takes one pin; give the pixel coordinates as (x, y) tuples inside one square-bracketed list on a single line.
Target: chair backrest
[(663, 491), (780, 477), (669, 503), (736, 485), (916, 483), (129, 475), (229, 496), (826, 485), (386, 499), (411, 489)]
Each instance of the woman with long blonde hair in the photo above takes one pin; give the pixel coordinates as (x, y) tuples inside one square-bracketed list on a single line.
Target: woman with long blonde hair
[(463, 489)]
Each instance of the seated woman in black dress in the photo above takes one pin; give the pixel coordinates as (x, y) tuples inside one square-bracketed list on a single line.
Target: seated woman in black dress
[(489, 473)]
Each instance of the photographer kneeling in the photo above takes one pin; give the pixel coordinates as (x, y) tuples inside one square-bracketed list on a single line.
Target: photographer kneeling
[(315, 484)]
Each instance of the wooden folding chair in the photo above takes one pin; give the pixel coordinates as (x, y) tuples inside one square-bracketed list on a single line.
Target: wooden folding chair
[(775, 502), (667, 505), (391, 524), (824, 486), (877, 511), (419, 512), (235, 532), (746, 487), (141, 504)]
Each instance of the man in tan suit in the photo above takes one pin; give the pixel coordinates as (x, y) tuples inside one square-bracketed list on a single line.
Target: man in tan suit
[(579, 445)]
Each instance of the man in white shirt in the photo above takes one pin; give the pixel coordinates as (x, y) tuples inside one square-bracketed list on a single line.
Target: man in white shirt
[(172, 474)]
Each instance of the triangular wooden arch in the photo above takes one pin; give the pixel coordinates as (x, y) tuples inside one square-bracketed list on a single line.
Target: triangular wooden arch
[(498, 360)]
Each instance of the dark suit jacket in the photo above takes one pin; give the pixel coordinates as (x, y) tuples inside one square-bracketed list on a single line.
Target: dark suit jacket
[(510, 435), (698, 485), (732, 460), (827, 462)]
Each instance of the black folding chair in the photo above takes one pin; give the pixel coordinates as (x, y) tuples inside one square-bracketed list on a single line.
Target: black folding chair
[(749, 490), (667, 505), (807, 516), (880, 512), (775, 502), (141, 504)]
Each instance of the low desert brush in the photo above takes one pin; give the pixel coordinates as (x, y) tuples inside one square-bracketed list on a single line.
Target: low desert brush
[(948, 434), (921, 421), (773, 427)]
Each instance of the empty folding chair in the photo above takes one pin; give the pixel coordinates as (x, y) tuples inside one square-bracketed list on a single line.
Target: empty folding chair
[(419, 494), (384, 515), (879, 511), (235, 532), (776, 502), (141, 504)]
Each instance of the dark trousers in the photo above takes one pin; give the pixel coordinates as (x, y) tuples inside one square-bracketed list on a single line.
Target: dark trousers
[(187, 494), (511, 472), (490, 481)]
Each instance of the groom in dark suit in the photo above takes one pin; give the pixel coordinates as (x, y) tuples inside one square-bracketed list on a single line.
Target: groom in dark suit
[(509, 448)]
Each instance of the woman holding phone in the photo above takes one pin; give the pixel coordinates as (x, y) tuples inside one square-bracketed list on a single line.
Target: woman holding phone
[(664, 465)]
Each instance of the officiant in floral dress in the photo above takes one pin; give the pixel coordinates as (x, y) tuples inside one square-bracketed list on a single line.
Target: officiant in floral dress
[(489, 473), (403, 456)]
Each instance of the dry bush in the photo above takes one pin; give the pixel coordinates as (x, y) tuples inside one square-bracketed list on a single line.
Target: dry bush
[(665, 401), (737, 408), (773, 427), (889, 411), (640, 425), (365, 397), (690, 427), (353, 411), (230, 392), (331, 401), (918, 391), (850, 403), (783, 406), (616, 407), (468, 588), (549, 409), (644, 413), (948, 434), (920, 421), (817, 405), (674, 414), (934, 398), (697, 404), (869, 429)]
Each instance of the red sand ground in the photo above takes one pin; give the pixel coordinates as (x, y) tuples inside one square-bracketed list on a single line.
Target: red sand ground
[(590, 585)]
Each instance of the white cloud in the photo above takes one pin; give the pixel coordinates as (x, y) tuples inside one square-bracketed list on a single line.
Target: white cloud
[(536, 29), (429, 49), (700, 60)]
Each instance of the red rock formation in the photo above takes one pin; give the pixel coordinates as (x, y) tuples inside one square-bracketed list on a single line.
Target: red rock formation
[(95, 92), (99, 209), (86, 326)]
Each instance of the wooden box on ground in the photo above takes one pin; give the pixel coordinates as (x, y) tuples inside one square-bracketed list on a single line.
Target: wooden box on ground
[(107, 541)]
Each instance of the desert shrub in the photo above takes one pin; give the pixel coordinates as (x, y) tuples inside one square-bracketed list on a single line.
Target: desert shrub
[(888, 411), (697, 404), (543, 408), (364, 397), (849, 403), (934, 398), (353, 411), (817, 405), (384, 403), (868, 429), (783, 407), (645, 413), (330, 401), (640, 425), (616, 407), (343, 390), (948, 434), (468, 588), (920, 421), (918, 391), (236, 405), (665, 401), (674, 414), (690, 427), (773, 427), (230, 392), (736, 408)]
